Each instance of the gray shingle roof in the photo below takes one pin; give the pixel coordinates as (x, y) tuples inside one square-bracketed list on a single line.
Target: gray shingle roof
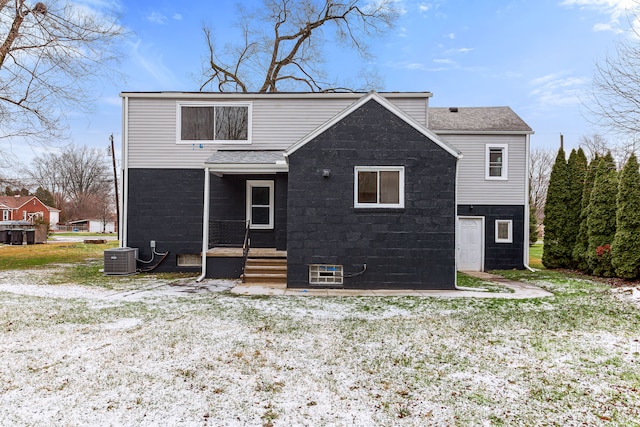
[(245, 157), (479, 119)]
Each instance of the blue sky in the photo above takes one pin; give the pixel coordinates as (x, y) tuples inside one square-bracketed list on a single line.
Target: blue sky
[(535, 56)]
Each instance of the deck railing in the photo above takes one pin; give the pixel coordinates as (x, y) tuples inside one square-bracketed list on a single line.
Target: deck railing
[(227, 233)]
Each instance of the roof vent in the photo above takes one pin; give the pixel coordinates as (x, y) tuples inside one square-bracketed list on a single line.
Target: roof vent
[(453, 109)]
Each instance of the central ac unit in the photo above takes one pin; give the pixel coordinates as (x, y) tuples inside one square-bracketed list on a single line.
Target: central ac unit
[(120, 261)]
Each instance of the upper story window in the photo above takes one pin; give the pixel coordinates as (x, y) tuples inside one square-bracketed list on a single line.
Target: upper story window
[(496, 162), (5, 215), (213, 123), (379, 187)]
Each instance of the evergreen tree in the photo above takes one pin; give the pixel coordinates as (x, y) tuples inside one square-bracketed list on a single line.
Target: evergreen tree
[(625, 250), (555, 253), (582, 239), (601, 219), (577, 171), (45, 197)]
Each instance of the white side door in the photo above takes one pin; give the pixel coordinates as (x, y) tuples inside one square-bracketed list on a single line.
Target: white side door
[(469, 252)]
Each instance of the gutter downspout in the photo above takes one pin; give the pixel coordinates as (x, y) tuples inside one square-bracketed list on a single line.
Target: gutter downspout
[(205, 224), (527, 209), (123, 231)]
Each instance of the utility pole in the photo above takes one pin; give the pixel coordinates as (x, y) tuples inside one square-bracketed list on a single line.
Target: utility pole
[(115, 183)]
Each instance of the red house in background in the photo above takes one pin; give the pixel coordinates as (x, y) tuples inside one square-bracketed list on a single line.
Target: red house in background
[(27, 208)]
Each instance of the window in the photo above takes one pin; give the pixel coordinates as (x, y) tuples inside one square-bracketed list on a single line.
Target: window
[(504, 231), (496, 162), (5, 215), (379, 187), (188, 260), (325, 274), (260, 203), (201, 123)]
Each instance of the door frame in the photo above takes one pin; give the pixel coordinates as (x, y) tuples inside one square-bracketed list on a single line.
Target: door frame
[(482, 237)]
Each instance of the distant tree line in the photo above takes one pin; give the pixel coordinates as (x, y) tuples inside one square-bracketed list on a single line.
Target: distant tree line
[(76, 180), (592, 216)]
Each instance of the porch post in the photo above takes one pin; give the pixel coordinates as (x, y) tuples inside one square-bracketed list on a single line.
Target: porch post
[(205, 224)]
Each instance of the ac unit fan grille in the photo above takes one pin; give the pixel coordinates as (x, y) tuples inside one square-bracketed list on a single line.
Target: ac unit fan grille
[(120, 261)]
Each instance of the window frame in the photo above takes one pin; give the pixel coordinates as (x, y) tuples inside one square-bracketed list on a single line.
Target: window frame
[(180, 104), (261, 183), (505, 162), (378, 169), (509, 238)]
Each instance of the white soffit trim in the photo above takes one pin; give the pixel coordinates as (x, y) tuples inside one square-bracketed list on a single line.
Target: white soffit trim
[(245, 168), (384, 103)]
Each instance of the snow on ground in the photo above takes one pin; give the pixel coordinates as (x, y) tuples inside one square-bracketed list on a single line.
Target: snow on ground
[(179, 354)]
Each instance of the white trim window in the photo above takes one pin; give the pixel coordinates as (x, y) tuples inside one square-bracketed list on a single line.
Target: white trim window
[(260, 204), (497, 164), (5, 215), (203, 123), (504, 231), (379, 187)]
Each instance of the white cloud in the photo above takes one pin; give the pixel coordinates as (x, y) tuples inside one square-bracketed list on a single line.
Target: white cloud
[(616, 10), (153, 64), (558, 89), (464, 49), (424, 7), (157, 18), (444, 61), (177, 17), (451, 36)]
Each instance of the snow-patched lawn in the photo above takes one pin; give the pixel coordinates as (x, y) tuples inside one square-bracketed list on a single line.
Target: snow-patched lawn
[(78, 355)]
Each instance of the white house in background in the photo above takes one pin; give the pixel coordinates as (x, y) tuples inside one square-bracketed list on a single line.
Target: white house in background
[(93, 226)]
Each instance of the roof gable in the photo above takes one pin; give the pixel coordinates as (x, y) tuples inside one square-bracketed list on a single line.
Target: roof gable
[(373, 96)]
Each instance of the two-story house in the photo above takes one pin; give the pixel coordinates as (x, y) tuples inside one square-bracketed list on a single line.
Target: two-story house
[(353, 190)]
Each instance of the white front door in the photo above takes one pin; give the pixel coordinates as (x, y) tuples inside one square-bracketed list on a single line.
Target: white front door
[(469, 252)]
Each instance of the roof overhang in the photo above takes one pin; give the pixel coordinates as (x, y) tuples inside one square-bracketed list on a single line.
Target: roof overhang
[(270, 95), (244, 169), (245, 162)]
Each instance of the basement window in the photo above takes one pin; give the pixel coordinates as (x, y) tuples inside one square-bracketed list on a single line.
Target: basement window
[(325, 274), (504, 231), (189, 260)]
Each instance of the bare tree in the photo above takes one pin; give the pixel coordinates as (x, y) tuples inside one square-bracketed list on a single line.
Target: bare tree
[(50, 53), (597, 145), (615, 98), (540, 164), (282, 44), (594, 145), (78, 178)]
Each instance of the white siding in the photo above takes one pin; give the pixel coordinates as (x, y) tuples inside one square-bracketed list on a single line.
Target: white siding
[(277, 123), (473, 188)]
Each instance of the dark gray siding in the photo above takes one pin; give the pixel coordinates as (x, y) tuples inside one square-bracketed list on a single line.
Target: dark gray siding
[(410, 248), (166, 205), (500, 256)]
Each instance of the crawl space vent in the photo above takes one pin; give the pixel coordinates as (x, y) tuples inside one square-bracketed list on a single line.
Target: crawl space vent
[(120, 261)]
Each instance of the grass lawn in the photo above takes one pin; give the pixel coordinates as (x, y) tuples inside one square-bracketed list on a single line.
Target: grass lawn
[(92, 355)]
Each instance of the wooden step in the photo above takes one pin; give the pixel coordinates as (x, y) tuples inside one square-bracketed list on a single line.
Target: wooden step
[(272, 271)]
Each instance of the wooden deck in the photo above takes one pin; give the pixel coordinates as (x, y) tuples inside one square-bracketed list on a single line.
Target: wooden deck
[(253, 253)]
